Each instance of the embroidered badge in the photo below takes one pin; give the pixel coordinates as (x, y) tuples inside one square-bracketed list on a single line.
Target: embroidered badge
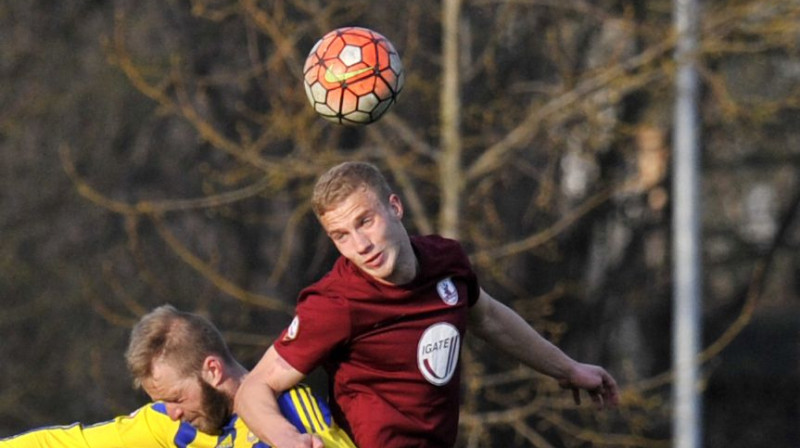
[(437, 353), (447, 291), (227, 442), (294, 328)]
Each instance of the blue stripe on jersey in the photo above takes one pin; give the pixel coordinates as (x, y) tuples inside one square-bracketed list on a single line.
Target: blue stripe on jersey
[(308, 413), (227, 431), (231, 422), (290, 411), (185, 435), (160, 407), (319, 408)]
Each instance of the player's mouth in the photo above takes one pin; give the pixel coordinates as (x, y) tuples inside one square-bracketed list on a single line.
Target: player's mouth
[(375, 261)]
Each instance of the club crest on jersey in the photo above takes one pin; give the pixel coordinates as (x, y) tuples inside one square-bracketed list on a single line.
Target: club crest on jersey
[(437, 353), (294, 328), (227, 442), (447, 291)]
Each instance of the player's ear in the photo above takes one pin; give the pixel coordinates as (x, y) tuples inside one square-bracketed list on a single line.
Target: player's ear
[(212, 371), (396, 205)]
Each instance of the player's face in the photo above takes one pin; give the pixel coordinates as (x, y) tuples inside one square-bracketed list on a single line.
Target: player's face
[(188, 399), (370, 234)]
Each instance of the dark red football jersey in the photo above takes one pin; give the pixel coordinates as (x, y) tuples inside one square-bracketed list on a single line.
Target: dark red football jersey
[(391, 352)]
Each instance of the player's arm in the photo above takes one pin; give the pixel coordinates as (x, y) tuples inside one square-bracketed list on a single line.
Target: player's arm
[(256, 402), (55, 437), (503, 328), (141, 428)]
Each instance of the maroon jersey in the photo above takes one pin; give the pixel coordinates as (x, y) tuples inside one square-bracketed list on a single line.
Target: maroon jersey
[(391, 352)]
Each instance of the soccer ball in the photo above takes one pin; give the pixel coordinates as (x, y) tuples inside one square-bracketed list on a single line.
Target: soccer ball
[(352, 75)]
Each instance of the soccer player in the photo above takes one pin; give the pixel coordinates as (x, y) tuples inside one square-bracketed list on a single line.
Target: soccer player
[(182, 362), (387, 323)]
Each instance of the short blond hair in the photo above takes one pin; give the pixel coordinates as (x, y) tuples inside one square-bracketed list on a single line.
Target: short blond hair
[(183, 339), (339, 182)]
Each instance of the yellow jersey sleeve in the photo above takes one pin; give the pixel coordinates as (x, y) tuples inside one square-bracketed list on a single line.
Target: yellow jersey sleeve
[(151, 427), (310, 414), (55, 436), (146, 427)]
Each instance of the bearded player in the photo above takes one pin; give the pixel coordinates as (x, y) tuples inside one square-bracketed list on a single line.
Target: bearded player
[(182, 362)]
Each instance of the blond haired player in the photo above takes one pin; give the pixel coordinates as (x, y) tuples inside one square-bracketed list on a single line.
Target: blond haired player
[(182, 362), (387, 323)]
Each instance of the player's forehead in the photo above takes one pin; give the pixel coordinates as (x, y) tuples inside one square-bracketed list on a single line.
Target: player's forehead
[(165, 382), (360, 202)]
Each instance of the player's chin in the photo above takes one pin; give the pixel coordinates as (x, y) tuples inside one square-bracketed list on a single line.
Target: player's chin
[(376, 273), (379, 272)]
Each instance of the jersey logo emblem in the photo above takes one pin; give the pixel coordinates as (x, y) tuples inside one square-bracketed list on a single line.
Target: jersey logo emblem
[(294, 328), (447, 291), (437, 353), (227, 442)]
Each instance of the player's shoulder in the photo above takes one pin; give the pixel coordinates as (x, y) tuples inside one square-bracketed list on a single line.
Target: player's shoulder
[(155, 408), (340, 283), (435, 243), (155, 420), (437, 251), (155, 414), (324, 294)]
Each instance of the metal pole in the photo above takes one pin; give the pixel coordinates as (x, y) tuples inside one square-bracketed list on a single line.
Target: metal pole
[(686, 329)]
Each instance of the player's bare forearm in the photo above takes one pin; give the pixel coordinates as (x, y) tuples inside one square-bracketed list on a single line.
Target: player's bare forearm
[(257, 405), (503, 328)]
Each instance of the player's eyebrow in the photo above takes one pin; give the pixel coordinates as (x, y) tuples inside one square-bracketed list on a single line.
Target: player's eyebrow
[(171, 395), (357, 219), (360, 217)]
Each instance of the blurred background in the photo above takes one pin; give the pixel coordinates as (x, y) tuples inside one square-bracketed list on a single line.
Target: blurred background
[(163, 151)]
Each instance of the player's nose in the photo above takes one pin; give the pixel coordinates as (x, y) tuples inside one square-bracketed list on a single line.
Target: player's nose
[(362, 242), (174, 412)]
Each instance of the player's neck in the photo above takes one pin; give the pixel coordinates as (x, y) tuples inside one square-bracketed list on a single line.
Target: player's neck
[(231, 384), (406, 267)]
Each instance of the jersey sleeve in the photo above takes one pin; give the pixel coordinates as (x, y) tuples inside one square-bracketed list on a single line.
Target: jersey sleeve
[(55, 436), (321, 323), (147, 426), (447, 257), (310, 414), (143, 427), (471, 279)]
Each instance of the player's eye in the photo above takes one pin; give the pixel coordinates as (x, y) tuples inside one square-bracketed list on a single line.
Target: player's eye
[(367, 220)]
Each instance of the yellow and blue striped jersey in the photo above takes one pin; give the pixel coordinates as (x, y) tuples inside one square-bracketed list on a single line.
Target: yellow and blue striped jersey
[(150, 426)]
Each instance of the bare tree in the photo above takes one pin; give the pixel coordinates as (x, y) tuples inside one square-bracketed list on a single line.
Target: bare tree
[(534, 131)]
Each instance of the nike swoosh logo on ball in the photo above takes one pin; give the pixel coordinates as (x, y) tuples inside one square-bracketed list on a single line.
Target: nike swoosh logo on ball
[(330, 76)]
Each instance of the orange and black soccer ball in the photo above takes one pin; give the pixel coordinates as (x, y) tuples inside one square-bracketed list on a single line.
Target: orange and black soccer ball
[(352, 76)]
